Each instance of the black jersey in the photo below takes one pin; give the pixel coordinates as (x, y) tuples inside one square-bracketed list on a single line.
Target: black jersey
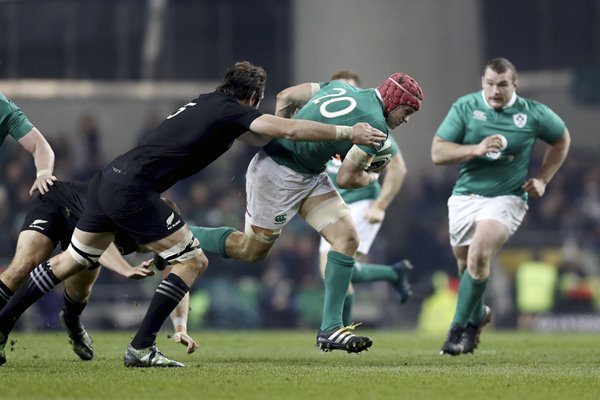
[(186, 142)]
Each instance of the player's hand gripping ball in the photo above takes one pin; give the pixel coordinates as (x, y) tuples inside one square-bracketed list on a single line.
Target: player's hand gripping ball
[(382, 158)]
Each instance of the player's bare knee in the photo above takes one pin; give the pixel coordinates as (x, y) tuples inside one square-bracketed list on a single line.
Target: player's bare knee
[(347, 242), (257, 243), (199, 262)]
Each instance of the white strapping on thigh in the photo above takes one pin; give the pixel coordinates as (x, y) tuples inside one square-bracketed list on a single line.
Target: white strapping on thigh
[(85, 255), (184, 250), (327, 212), (248, 231)]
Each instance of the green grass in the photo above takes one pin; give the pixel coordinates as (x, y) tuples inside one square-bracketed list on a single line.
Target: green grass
[(286, 365)]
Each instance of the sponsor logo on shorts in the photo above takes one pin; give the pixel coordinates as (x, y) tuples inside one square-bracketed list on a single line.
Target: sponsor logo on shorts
[(280, 219), (171, 223), (37, 224)]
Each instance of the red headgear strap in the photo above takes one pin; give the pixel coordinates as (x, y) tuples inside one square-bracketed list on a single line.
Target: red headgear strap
[(400, 90)]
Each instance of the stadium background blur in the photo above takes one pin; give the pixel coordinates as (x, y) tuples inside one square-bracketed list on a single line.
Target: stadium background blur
[(94, 76)]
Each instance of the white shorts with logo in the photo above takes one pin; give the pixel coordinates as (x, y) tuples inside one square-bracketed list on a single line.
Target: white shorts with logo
[(465, 211), (366, 230), (275, 192)]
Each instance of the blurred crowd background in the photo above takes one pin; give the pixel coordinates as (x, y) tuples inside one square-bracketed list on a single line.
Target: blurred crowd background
[(96, 76)]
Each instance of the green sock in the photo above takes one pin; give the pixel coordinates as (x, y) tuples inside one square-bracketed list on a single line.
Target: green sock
[(338, 273), (470, 292), (478, 313), (213, 239), (347, 312), (373, 272)]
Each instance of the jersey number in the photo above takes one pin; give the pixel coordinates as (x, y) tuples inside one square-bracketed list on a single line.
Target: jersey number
[(181, 109), (332, 114)]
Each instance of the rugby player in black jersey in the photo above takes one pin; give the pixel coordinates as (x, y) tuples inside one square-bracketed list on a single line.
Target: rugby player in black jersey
[(50, 221), (125, 195)]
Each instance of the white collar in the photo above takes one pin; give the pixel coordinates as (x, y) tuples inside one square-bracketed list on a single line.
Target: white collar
[(510, 103)]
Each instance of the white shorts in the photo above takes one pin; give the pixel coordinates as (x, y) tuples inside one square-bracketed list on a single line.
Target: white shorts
[(275, 192), (366, 230), (465, 211)]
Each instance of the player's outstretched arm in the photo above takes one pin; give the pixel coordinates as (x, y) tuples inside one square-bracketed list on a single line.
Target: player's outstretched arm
[(113, 260), (304, 130), (43, 157)]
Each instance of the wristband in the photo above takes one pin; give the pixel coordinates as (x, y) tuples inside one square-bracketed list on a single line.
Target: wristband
[(343, 132), (374, 176), (178, 321), (42, 172)]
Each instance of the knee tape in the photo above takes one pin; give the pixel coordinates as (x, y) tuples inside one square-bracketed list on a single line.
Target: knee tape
[(327, 213), (248, 231), (182, 251), (85, 255)]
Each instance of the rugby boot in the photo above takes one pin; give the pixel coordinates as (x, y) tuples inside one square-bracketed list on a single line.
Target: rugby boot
[(148, 357), (453, 344), (343, 339), (79, 338), (472, 334)]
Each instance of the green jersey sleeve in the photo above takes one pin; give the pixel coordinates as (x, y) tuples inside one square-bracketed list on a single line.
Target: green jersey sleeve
[(12, 120), (552, 127), (452, 128)]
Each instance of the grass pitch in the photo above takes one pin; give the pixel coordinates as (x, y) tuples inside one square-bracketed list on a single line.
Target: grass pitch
[(286, 365)]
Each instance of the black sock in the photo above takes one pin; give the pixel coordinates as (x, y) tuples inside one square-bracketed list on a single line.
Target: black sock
[(5, 295), (168, 294), (41, 281), (72, 312)]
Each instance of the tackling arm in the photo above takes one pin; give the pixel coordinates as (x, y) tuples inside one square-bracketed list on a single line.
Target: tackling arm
[(301, 130), (113, 260)]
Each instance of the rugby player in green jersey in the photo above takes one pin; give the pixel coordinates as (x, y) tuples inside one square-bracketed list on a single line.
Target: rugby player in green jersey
[(368, 206), (287, 178), (14, 123), (491, 134)]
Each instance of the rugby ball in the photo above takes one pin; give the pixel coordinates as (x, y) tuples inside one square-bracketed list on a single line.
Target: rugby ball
[(382, 158)]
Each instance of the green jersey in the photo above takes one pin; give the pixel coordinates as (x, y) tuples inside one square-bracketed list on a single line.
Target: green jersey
[(370, 191), (335, 103), (12, 120), (521, 122)]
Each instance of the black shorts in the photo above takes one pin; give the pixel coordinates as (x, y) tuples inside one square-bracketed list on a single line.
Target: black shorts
[(136, 211), (55, 214)]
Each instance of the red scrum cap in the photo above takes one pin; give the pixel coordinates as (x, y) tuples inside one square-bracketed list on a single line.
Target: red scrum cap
[(400, 90)]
